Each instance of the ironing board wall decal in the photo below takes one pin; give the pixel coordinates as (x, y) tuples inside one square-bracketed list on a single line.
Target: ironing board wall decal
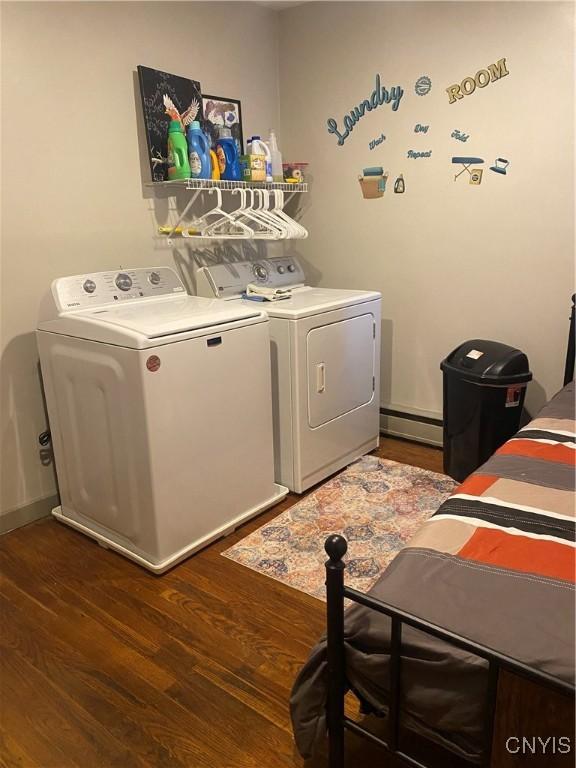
[(466, 162)]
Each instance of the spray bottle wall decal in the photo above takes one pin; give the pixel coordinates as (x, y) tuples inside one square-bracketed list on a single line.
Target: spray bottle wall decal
[(379, 96)]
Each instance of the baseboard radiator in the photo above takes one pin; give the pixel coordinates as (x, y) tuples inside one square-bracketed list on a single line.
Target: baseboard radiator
[(420, 426)]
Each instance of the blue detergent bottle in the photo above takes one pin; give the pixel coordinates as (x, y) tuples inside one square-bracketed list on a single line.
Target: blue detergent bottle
[(227, 153), (198, 152)]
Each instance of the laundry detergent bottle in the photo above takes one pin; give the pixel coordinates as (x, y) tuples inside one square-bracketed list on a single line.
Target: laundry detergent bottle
[(227, 153), (259, 147), (215, 166), (198, 152), (178, 165)]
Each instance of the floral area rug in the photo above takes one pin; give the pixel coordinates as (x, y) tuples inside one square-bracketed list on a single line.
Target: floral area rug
[(378, 505)]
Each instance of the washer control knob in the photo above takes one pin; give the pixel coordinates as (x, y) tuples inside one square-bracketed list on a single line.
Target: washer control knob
[(291, 268), (260, 271), (89, 286), (123, 281), (281, 269), (154, 278)]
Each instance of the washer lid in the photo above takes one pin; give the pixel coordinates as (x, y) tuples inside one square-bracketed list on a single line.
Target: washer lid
[(154, 319), (308, 301)]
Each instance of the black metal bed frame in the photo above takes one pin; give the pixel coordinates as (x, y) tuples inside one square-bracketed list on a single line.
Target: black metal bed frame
[(571, 350), (338, 723), (336, 547)]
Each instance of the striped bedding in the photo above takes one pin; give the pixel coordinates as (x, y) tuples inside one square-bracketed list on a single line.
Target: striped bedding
[(517, 511), (496, 564)]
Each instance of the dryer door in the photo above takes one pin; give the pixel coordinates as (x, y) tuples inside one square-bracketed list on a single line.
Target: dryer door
[(340, 359)]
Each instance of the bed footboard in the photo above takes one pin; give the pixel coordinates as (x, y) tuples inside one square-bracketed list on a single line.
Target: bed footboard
[(336, 592)]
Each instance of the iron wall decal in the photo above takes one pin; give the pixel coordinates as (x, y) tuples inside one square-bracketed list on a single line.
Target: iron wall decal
[(480, 80), (500, 166), (379, 96), (423, 85)]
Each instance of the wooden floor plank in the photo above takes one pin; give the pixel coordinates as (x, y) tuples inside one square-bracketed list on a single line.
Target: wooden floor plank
[(13, 754), (73, 735), (27, 719), (190, 669), (122, 705)]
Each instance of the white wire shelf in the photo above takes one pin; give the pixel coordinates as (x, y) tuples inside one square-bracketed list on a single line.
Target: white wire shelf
[(199, 184)]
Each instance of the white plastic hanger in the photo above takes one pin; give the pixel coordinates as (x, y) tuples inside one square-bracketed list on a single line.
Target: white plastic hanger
[(264, 211), (243, 212), (296, 229), (266, 228), (233, 228), (263, 217)]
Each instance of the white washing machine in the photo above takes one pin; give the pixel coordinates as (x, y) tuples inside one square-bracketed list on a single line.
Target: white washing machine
[(325, 351), (160, 412)]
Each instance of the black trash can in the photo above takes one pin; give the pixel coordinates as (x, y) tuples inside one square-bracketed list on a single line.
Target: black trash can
[(484, 388)]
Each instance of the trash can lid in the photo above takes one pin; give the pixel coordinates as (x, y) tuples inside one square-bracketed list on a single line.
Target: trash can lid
[(488, 362)]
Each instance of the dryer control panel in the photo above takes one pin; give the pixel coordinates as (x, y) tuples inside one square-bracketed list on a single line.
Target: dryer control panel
[(98, 288), (228, 281)]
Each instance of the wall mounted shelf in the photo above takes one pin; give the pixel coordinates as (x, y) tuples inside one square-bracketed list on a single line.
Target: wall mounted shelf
[(200, 184), (272, 224)]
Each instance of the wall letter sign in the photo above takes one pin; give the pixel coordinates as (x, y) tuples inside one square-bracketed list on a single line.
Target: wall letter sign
[(379, 96), (480, 80)]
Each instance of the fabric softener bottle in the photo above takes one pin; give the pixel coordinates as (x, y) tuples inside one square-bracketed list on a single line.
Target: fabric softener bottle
[(227, 153), (178, 166), (198, 152)]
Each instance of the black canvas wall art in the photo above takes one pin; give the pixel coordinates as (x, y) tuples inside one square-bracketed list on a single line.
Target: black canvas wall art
[(184, 95)]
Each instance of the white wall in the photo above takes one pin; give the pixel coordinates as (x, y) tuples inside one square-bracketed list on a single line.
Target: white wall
[(71, 177), (453, 261)]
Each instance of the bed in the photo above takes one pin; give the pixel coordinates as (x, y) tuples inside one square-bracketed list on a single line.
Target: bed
[(486, 585)]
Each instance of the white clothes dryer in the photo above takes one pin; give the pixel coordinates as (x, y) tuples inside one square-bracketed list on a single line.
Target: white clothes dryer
[(325, 355)]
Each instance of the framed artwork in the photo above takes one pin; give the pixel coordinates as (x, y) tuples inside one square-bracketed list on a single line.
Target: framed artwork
[(183, 97), (220, 111)]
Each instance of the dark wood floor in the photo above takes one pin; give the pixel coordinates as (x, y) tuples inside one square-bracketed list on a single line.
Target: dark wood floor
[(104, 664)]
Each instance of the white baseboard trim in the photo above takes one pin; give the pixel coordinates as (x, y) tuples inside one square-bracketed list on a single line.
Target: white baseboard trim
[(412, 424), (29, 513)]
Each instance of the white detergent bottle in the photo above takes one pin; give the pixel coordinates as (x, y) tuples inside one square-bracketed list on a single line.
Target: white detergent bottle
[(259, 147), (277, 170)]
